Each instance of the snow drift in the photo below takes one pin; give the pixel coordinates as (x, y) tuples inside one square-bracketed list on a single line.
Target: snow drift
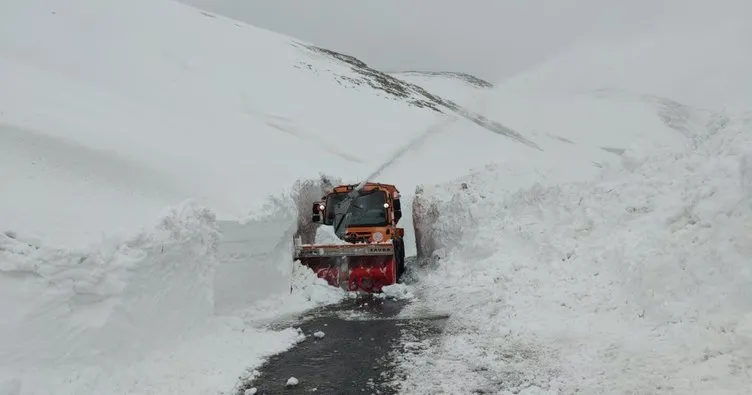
[(66, 308), (622, 274), (637, 281)]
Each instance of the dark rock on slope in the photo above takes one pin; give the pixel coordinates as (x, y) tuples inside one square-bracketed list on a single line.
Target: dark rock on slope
[(415, 95)]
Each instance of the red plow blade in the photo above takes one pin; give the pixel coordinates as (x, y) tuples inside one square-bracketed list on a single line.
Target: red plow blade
[(353, 267)]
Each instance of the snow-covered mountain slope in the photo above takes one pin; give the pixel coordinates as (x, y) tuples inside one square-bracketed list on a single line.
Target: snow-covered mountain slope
[(632, 278), (203, 107), (460, 87)]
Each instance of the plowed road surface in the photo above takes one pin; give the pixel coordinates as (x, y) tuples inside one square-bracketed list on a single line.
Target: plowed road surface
[(356, 355)]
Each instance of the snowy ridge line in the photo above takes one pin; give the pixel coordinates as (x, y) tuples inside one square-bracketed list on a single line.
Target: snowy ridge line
[(468, 78), (637, 281), (418, 95)]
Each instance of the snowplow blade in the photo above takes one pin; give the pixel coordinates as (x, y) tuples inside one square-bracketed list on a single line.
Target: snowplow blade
[(353, 267)]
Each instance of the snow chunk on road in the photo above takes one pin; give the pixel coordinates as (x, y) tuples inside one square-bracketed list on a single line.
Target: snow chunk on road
[(318, 334), (316, 291), (291, 382), (301, 336), (398, 291)]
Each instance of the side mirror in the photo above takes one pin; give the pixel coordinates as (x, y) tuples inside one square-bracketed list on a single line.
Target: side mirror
[(318, 212), (397, 210)]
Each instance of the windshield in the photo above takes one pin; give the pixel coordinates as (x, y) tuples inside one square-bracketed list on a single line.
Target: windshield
[(367, 209)]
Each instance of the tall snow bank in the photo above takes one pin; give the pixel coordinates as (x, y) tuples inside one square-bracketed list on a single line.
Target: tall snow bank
[(107, 306), (256, 270), (638, 281)]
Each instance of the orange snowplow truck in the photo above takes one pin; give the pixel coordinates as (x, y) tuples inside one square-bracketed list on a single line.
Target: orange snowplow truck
[(371, 253)]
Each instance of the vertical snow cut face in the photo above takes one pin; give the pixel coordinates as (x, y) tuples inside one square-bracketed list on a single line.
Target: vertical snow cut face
[(637, 281), (257, 271)]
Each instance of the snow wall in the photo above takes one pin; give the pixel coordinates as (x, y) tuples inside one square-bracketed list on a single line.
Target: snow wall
[(107, 306)]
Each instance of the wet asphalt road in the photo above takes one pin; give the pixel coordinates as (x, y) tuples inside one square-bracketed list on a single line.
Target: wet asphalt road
[(356, 354)]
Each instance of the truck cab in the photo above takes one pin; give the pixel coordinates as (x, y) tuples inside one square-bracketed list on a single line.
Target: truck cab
[(374, 213)]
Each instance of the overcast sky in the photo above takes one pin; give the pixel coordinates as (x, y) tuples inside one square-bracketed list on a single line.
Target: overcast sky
[(491, 39)]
